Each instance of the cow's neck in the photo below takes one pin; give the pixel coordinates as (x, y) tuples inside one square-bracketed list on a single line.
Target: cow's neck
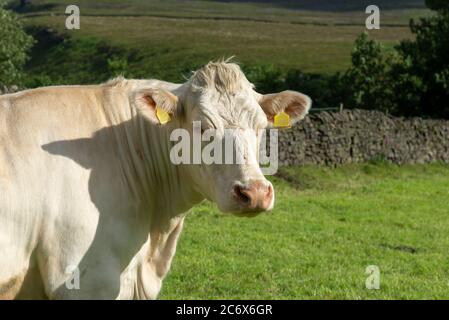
[(170, 185), (161, 189)]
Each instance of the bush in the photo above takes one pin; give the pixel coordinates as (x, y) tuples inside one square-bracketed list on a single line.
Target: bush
[(14, 46), (368, 79), (118, 66), (411, 81), (266, 78), (59, 59), (326, 91), (439, 5), (424, 65)]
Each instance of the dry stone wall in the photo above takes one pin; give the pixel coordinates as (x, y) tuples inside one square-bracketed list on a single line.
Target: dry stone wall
[(354, 136)]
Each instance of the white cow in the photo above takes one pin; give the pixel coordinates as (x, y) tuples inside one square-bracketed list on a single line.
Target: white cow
[(87, 188)]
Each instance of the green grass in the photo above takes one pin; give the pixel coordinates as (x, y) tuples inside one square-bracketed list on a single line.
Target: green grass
[(320, 238), (174, 36)]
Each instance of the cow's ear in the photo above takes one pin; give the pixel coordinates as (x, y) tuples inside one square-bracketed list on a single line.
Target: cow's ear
[(296, 105), (157, 105)]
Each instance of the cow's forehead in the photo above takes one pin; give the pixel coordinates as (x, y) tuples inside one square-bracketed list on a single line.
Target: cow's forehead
[(220, 92)]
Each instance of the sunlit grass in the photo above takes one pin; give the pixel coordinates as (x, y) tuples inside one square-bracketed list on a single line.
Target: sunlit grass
[(319, 239)]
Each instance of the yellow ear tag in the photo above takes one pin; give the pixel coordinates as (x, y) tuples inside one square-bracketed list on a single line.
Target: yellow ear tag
[(162, 116), (282, 120)]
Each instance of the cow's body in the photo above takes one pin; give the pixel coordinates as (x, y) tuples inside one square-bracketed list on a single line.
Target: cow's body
[(88, 190), (70, 186)]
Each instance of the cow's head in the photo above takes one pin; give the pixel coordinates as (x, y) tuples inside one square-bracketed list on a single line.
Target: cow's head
[(223, 101)]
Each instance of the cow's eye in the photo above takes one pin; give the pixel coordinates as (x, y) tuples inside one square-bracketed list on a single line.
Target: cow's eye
[(206, 126), (204, 129)]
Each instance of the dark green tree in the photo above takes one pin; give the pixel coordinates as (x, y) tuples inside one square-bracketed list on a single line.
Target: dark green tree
[(422, 70), (438, 5), (14, 46), (413, 80), (367, 79)]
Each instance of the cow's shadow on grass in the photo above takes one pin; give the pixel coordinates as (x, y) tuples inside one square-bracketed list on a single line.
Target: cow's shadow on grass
[(101, 155)]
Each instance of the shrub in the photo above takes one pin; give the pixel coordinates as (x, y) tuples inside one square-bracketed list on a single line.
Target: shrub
[(411, 81), (14, 46), (59, 59), (424, 68), (368, 79), (266, 78), (439, 5)]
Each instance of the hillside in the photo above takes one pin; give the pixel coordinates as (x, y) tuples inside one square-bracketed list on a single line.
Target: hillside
[(169, 38)]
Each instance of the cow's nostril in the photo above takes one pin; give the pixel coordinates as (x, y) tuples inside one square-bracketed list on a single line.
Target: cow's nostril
[(269, 193), (255, 196), (241, 195)]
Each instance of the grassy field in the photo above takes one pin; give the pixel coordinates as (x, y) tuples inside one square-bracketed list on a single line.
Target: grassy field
[(173, 36), (320, 238), (328, 12)]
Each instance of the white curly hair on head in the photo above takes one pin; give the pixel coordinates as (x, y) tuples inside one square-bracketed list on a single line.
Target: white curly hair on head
[(221, 75)]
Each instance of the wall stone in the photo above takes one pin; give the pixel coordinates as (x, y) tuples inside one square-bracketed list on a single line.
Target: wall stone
[(360, 135)]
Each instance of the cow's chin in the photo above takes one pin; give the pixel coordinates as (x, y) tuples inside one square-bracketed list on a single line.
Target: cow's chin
[(234, 209)]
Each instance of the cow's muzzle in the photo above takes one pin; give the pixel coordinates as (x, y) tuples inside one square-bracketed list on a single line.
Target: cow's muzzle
[(254, 197)]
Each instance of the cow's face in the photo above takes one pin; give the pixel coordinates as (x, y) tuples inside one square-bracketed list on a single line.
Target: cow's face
[(219, 105)]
